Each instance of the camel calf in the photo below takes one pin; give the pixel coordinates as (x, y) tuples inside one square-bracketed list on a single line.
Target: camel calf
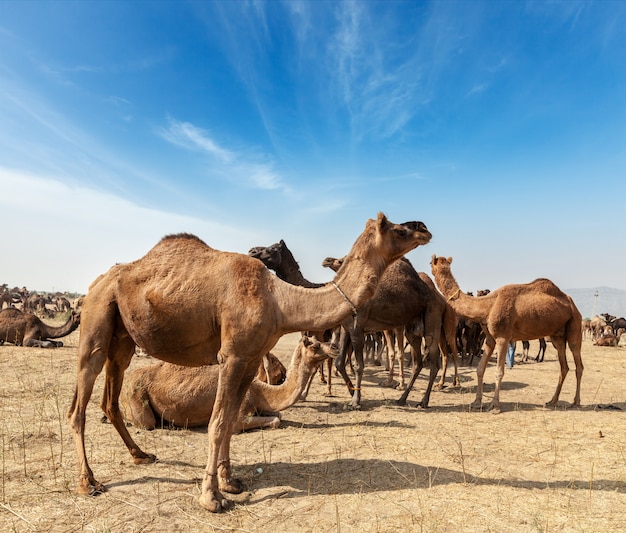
[(607, 340), (181, 396)]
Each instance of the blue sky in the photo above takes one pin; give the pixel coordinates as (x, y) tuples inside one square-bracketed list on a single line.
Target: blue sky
[(501, 125)]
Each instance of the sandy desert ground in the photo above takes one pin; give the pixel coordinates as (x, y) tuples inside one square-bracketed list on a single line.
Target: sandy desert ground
[(383, 468)]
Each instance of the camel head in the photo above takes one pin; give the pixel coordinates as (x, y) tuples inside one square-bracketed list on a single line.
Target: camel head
[(271, 256), (395, 240), (315, 351), (333, 263), (439, 263)]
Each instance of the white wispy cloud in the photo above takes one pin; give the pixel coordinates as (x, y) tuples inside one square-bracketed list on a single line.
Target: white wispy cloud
[(191, 137), (257, 171)]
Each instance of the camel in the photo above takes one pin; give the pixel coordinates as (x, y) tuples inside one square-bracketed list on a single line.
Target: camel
[(405, 304), (278, 257), (20, 328), (184, 396), (608, 340), (516, 312), (447, 341), (189, 304)]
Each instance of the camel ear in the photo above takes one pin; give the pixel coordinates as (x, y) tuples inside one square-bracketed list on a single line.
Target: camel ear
[(307, 341), (449, 260), (382, 220), (433, 261)]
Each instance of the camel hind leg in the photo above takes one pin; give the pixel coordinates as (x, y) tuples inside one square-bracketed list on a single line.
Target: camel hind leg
[(92, 352), (120, 354), (559, 344)]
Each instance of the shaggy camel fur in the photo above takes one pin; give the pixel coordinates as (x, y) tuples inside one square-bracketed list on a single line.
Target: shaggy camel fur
[(184, 396), (189, 304), (517, 312), (20, 328)]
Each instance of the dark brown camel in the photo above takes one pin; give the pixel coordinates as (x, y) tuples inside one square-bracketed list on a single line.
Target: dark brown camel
[(516, 312), (402, 300), (189, 304), (21, 328)]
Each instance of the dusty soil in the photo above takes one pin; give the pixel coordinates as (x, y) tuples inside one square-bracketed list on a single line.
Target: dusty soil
[(384, 468)]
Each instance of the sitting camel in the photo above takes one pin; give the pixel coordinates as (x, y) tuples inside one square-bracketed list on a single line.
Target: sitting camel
[(189, 304), (608, 340), (182, 396), (515, 312), (24, 329)]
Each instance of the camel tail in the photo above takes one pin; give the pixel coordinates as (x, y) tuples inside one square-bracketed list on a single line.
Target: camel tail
[(573, 328)]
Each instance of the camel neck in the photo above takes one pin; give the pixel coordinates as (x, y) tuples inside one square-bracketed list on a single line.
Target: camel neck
[(273, 398)]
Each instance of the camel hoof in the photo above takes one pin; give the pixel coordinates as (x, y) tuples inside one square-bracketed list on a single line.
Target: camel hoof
[(145, 459), (476, 406), (231, 485), (90, 488), (401, 401), (214, 504), (495, 410)]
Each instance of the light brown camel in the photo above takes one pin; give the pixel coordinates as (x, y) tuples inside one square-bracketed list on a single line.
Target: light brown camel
[(278, 257), (402, 303), (608, 340), (188, 304), (447, 340), (20, 328), (517, 312), (183, 396)]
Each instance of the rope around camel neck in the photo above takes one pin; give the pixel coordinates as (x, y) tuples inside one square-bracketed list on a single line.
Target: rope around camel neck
[(455, 294), (354, 311)]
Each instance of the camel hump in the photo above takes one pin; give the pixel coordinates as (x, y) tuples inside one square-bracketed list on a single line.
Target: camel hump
[(183, 236)]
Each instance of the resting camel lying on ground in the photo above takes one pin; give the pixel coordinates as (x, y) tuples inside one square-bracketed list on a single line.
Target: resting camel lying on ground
[(165, 394), (607, 340), (19, 328)]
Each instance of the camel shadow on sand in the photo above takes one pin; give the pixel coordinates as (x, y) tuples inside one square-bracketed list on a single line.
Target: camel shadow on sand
[(350, 476)]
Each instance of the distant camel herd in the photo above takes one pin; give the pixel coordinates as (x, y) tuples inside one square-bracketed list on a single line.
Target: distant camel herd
[(190, 306)]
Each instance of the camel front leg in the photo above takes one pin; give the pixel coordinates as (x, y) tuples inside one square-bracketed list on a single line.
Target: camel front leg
[(357, 352), (490, 344), (501, 347), (433, 360), (391, 356), (234, 380), (415, 342)]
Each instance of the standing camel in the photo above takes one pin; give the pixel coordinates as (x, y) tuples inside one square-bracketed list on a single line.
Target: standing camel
[(404, 303), (189, 304), (516, 312)]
